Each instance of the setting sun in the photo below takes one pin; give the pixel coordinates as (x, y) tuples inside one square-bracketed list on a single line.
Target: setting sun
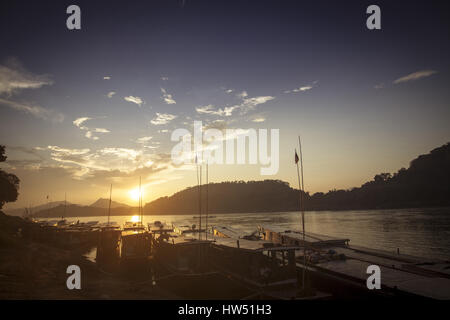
[(134, 194), (135, 219)]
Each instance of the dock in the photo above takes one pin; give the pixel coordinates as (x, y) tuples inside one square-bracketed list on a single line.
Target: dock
[(335, 259)]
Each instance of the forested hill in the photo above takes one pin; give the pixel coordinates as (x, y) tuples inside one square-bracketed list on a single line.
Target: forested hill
[(225, 197), (425, 183)]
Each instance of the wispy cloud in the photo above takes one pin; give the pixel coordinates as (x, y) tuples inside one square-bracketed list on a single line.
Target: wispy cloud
[(302, 88), (415, 76), (89, 132), (35, 110), (136, 100), (245, 106), (78, 122), (14, 77), (243, 94), (379, 86), (144, 139), (167, 97), (111, 94), (162, 118), (210, 109), (259, 119)]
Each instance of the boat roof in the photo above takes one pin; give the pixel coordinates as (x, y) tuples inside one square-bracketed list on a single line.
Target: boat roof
[(252, 245), (160, 227), (229, 232), (311, 238)]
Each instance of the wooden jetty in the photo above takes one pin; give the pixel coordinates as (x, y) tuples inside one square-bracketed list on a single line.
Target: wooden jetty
[(266, 267), (335, 261)]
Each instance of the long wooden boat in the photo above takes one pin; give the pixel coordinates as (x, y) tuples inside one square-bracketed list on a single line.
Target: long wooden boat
[(267, 268), (335, 264), (135, 248)]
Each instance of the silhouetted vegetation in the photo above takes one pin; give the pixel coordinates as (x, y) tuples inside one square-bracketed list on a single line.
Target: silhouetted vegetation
[(226, 197), (9, 183), (425, 183)]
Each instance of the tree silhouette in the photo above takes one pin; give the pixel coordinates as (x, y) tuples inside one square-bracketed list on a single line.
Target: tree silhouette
[(9, 183)]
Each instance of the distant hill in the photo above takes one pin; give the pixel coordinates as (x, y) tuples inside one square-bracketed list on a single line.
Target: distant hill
[(35, 209), (84, 211), (425, 183), (229, 197), (104, 203)]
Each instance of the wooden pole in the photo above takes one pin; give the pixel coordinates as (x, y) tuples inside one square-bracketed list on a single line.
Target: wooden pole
[(140, 214), (300, 198), (200, 205), (109, 207), (65, 205), (207, 202), (302, 205)]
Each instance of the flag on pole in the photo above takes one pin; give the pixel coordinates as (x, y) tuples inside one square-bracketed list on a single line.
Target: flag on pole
[(296, 157)]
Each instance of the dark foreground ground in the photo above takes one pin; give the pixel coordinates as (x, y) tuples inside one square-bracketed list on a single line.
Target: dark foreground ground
[(35, 269)]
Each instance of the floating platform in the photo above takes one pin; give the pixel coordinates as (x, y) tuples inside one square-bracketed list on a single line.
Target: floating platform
[(336, 260)]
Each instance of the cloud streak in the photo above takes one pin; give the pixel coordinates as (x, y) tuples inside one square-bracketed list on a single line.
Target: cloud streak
[(136, 100), (89, 132), (415, 76), (35, 110), (245, 106), (303, 88), (167, 97), (162, 118), (14, 77)]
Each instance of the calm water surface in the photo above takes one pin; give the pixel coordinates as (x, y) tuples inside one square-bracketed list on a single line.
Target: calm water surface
[(421, 232)]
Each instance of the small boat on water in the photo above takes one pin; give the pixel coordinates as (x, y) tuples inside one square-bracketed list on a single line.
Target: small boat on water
[(108, 245), (181, 264), (180, 249)]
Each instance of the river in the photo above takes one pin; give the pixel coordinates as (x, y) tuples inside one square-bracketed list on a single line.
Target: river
[(419, 232)]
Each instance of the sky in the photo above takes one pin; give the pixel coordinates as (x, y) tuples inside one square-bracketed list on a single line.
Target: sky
[(83, 109)]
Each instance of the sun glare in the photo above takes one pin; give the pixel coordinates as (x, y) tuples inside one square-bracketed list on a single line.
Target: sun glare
[(134, 194), (135, 219)]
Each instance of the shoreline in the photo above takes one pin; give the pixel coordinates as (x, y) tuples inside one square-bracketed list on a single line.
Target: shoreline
[(36, 270)]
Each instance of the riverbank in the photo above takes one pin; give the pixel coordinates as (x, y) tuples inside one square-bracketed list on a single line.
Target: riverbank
[(31, 269)]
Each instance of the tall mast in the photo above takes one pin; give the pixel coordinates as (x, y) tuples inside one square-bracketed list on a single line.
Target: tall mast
[(109, 207), (142, 208), (207, 200), (200, 204), (199, 182), (302, 206), (65, 205), (140, 194)]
